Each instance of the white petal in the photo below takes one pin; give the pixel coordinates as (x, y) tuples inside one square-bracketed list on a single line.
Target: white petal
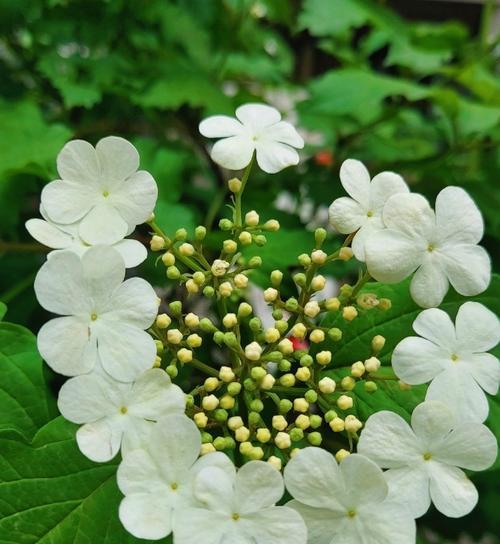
[(233, 153), (346, 215), (429, 285), (485, 369), (134, 302), (65, 346), (175, 445), (385, 524), (322, 524), (118, 158), (277, 525), (431, 420), (364, 481), (409, 486), (68, 201), (132, 251), (258, 486), (215, 459), (461, 393), (48, 234), (285, 133), (468, 268), (458, 219), (473, 447), (417, 360), (60, 287), (435, 325), (103, 225), (140, 473), (452, 493), (136, 433), (411, 214), (478, 329), (77, 162), (313, 477), (272, 157), (391, 256), (220, 126), (99, 441), (192, 523), (85, 399), (135, 199), (146, 516), (213, 488), (383, 186), (388, 440), (103, 272), (257, 116), (153, 396), (125, 351), (356, 181), (358, 243)]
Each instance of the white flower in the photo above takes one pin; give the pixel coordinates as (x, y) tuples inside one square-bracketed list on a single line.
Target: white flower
[(238, 507), (117, 414), (258, 129), (345, 503), (363, 212), (104, 318), (101, 188), (423, 460), (157, 480), (441, 246), (60, 237), (453, 358)]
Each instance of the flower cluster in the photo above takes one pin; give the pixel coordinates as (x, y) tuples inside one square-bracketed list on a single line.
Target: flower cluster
[(263, 409)]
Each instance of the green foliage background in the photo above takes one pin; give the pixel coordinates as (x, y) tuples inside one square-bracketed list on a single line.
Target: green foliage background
[(420, 98)]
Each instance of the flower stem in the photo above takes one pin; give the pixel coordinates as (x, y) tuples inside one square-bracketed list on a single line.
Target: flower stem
[(237, 200), (204, 368)]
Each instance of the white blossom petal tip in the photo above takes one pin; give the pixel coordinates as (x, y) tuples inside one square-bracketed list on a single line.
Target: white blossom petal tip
[(257, 129)]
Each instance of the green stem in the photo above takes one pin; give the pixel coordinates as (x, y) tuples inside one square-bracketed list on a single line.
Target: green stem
[(204, 368), (365, 278), (237, 200)]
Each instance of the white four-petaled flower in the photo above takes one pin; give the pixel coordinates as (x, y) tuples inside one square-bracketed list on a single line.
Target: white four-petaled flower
[(440, 247), (116, 414), (423, 459), (101, 188), (258, 128), (453, 358), (104, 319), (238, 507), (345, 503), (157, 480), (60, 237), (363, 211)]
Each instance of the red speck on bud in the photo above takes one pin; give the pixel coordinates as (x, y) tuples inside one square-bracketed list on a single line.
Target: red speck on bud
[(298, 343), (324, 158)]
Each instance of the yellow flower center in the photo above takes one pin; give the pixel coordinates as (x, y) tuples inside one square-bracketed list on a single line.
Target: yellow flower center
[(174, 486), (235, 517), (93, 317), (430, 248), (427, 456), (123, 410), (351, 513), (454, 357), (105, 194), (369, 213)]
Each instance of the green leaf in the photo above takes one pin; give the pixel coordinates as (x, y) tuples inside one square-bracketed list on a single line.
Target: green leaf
[(3, 310), (32, 143), (52, 494), (25, 400), (171, 217)]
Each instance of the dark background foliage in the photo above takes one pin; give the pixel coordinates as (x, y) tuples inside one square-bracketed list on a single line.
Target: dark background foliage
[(404, 85)]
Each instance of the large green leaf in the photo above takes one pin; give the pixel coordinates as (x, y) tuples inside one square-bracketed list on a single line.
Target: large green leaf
[(3, 310), (52, 494), (25, 401)]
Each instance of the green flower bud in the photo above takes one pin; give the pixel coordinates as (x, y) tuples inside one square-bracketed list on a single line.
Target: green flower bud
[(319, 236), (206, 325), (311, 396), (209, 291), (346, 290), (249, 384), (200, 232), (306, 360), (172, 371), (159, 347), (331, 414), (230, 443), (315, 439), (189, 401), (292, 304), (281, 325), (285, 406), (206, 438), (296, 434), (255, 262), (370, 387), (221, 415), (199, 278), (220, 443), (253, 418), (255, 324), (276, 277), (225, 224), (274, 356), (335, 334), (277, 314), (260, 240), (230, 340), (257, 405), (315, 421), (304, 260), (234, 388), (284, 365), (258, 373), (181, 234), (173, 273), (218, 337), (300, 279), (176, 307)]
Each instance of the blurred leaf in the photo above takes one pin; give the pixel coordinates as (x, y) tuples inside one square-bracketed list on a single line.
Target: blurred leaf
[(171, 217), (3, 310)]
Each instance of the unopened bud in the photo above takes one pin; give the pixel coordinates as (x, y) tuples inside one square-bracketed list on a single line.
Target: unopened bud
[(332, 304), (242, 434), (318, 283), (168, 258), (352, 424), (253, 351), (347, 383), (357, 369), (283, 441), (210, 403), (267, 382), (234, 185), (287, 380), (317, 336), (229, 321), (337, 425), (344, 402), (349, 313), (192, 287), (225, 289), (279, 423), (276, 277), (345, 253), (252, 218), (272, 225), (156, 243), (319, 236), (245, 238), (229, 246), (226, 374), (312, 309), (304, 260), (324, 357), (192, 320), (272, 335), (327, 385), (341, 455), (244, 309), (372, 364), (234, 423), (275, 462), (299, 330), (286, 346), (303, 374), (263, 435), (300, 405), (186, 249), (378, 343), (219, 267), (318, 256), (201, 420), (174, 336), (227, 402), (163, 321), (185, 355), (207, 448), (240, 281)]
